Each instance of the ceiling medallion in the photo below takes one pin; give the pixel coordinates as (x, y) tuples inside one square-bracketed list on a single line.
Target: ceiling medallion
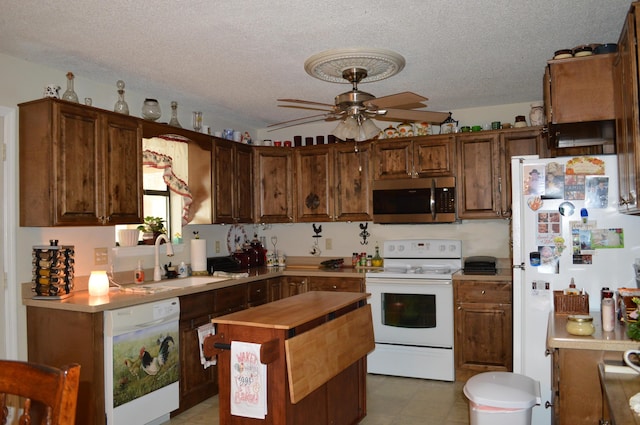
[(330, 64)]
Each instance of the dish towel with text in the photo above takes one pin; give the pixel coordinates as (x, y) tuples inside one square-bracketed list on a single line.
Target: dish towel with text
[(248, 381), (203, 332)]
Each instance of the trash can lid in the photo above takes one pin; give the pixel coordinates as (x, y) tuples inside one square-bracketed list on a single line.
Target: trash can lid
[(503, 389)]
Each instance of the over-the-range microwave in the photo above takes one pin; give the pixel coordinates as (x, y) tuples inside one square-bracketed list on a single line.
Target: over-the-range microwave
[(422, 200)]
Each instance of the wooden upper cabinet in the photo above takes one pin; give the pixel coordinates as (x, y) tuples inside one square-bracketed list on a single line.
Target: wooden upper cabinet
[(625, 73), (477, 184), (484, 169), (333, 182), (232, 182), (79, 166), (529, 141), (434, 156), (426, 156), (314, 183), (579, 89), (393, 159), (353, 200), (273, 183)]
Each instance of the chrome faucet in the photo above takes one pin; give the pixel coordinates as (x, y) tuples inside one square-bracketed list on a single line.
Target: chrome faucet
[(157, 270)]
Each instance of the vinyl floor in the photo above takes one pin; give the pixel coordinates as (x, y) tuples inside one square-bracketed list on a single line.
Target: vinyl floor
[(390, 401)]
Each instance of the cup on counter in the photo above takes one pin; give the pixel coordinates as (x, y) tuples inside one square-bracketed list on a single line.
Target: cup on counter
[(476, 128), (287, 143), (282, 261), (495, 125), (277, 143)]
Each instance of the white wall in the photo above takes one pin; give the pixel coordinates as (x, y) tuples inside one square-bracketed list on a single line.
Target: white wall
[(27, 82)]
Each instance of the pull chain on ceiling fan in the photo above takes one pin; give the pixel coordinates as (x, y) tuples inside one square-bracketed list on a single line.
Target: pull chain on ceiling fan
[(356, 109)]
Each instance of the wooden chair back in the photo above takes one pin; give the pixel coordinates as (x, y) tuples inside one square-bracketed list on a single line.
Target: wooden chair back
[(41, 386)]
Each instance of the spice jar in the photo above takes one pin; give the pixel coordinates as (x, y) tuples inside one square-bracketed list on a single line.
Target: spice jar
[(581, 325)]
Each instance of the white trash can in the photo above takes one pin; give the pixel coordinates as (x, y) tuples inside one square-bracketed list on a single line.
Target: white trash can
[(501, 398)]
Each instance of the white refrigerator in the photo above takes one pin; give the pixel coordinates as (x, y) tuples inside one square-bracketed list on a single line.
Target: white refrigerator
[(565, 226)]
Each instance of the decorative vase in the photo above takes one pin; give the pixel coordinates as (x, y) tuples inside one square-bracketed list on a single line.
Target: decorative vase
[(70, 95), (536, 115), (151, 109), (121, 106)]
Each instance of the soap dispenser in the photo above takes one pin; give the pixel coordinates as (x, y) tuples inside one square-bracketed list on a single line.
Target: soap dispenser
[(138, 275)]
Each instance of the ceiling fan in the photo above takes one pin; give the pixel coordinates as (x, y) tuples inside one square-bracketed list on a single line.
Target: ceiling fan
[(356, 108)]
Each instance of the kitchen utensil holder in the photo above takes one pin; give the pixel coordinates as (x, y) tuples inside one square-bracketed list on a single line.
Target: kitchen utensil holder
[(570, 304)]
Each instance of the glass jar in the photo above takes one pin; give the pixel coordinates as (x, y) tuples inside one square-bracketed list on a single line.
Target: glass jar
[(151, 109), (581, 325)]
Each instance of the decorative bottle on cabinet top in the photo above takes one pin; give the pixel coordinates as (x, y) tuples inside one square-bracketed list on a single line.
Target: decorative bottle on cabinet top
[(174, 115), (121, 106), (70, 95)]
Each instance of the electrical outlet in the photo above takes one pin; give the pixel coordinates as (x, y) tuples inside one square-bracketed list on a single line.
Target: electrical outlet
[(217, 247), (100, 256), (328, 243)]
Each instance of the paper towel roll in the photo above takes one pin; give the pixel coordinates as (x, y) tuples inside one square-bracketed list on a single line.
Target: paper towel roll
[(198, 255)]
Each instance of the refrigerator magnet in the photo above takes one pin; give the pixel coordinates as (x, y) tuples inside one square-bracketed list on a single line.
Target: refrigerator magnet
[(534, 258), (534, 202), (566, 208)]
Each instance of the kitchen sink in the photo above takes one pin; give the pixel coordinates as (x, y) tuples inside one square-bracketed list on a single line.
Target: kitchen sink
[(187, 282), (169, 284)]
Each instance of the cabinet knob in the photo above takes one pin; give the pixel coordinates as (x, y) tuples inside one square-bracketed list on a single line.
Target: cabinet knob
[(483, 292), (335, 287)]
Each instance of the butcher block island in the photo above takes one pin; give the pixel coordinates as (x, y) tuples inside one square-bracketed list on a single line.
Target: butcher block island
[(314, 346)]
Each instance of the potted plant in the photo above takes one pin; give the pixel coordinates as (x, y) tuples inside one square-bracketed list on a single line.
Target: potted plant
[(151, 229)]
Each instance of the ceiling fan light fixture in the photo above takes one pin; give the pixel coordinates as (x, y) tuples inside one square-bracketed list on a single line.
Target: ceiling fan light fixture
[(368, 130), (356, 127)]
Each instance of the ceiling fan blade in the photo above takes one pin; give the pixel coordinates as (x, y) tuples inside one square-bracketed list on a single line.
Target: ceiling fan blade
[(410, 115), (308, 102), (306, 108), (305, 120), (395, 100)]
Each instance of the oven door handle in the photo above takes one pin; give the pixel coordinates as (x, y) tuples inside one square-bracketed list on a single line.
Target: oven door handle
[(432, 199)]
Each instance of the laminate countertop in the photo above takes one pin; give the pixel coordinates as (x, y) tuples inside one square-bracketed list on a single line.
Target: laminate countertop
[(81, 300), (617, 340)]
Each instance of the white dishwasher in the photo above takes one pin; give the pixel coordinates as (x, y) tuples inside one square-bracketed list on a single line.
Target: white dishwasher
[(141, 364)]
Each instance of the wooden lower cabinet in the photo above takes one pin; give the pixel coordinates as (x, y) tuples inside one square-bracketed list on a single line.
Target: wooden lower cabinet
[(59, 337), (483, 326), (577, 394), (321, 283), (196, 383)]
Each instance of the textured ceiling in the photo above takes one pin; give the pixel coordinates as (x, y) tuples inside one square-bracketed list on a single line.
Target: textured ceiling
[(240, 56)]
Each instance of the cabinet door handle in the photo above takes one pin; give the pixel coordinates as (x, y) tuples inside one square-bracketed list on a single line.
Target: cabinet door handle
[(483, 292), (548, 404)]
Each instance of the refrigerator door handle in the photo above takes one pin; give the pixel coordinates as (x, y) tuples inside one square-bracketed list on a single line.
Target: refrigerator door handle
[(518, 266)]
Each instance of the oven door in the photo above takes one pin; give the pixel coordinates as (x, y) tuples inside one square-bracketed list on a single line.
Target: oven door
[(412, 311)]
